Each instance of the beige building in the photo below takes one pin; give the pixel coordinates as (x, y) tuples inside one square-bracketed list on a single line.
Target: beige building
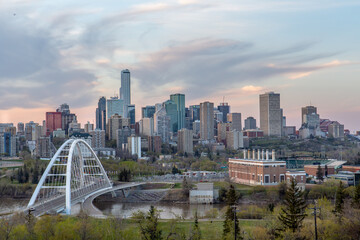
[(222, 128), (207, 121), (98, 138), (88, 127), (115, 123), (336, 130), (185, 141), (147, 127), (235, 119), (234, 140), (270, 114)]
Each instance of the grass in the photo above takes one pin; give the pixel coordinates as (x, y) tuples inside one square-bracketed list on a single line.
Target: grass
[(209, 229)]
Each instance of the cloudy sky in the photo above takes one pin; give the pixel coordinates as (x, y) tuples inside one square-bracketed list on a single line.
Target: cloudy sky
[(53, 52)]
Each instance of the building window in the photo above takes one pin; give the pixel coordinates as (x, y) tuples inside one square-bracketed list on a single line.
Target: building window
[(274, 178), (266, 166), (302, 178), (267, 178), (282, 178)]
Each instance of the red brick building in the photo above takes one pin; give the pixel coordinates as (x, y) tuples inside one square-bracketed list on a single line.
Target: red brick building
[(351, 168), (256, 172), (299, 176), (253, 133), (312, 169), (53, 122)]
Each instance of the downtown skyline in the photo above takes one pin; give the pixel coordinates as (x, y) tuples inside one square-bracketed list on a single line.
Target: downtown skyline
[(74, 53)]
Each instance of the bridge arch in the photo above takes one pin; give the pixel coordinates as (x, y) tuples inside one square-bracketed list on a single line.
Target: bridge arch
[(73, 173)]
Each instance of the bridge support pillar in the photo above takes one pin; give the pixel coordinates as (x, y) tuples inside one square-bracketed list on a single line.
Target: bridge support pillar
[(113, 194)]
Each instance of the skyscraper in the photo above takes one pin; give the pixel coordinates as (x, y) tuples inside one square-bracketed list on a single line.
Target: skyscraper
[(131, 113), (162, 124), (179, 100), (171, 111), (115, 106), (225, 109), (101, 114), (235, 119), (270, 114), (207, 121), (53, 122), (125, 90), (194, 112), (66, 116), (250, 123), (307, 111), (185, 141), (148, 111)]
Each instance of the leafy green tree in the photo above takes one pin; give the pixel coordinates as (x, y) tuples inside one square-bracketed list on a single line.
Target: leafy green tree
[(293, 214), (319, 174), (231, 222), (339, 200), (149, 227), (356, 198)]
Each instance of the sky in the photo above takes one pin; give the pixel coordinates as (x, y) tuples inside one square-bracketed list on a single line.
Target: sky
[(54, 52)]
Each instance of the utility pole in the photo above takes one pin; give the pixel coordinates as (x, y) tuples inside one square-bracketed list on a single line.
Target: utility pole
[(315, 208)]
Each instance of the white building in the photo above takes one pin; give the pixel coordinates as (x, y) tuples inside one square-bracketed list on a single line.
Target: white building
[(204, 193), (134, 146), (162, 125)]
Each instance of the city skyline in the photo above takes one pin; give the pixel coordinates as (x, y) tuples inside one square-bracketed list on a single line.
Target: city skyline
[(69, 55)]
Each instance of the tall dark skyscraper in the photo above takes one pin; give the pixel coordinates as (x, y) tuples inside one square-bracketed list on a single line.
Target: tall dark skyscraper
[(131, 113), (194, 112), (125, 90), (179, 100), (66, 116), (147, 112), (250, 123), (101, 114), (225, 109)]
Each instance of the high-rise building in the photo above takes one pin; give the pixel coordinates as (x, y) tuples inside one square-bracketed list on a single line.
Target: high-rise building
[(225, 109), (21, 128), (125, 90), (162, 125), (154, 144), (148, 111), (222, 128), (131, 113), (88, 127), (98, 138), (116, 122), (185, 141), (234, 140), (250, 123), (66, 117), (43, 147), (171, 111), (270, 114), (179, 100), (114, 105), (134, 145), (122, 136), (28, 130), (207, 121), (74, 127), (336, 130), (306, 111), (53, 122), (147, 126), (8, 144), (235, 119), (101, 114), (194, 112)]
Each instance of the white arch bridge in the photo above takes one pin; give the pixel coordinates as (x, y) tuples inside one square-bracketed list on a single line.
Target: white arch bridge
[(73, 174)]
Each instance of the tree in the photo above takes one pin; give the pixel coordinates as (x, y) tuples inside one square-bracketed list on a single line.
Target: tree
[(231, 222), (326, 170), (195, 233), (186, 187), (149, 226), (356, 198), (339, 200), (319, 174), (293, 214)]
